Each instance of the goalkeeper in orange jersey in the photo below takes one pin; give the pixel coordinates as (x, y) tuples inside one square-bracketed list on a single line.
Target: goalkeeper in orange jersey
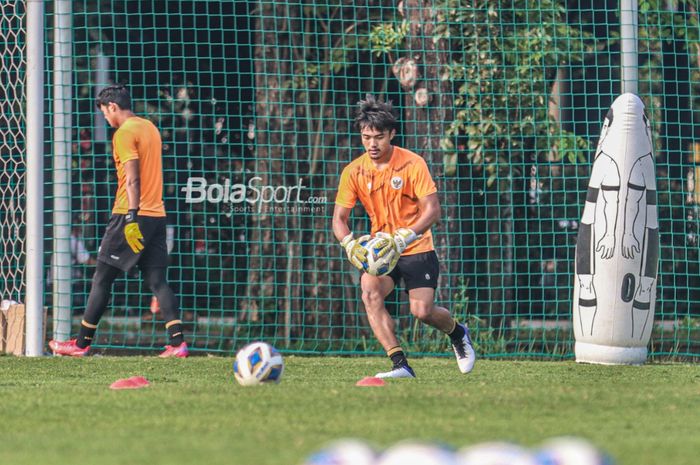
[(136, 232), (400, 197)]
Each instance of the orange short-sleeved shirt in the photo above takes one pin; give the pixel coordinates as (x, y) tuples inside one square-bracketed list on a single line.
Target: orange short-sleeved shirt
[(390, 195), (139, 139)]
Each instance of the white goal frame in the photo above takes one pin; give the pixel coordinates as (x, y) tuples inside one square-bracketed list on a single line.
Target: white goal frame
[(34, 300)]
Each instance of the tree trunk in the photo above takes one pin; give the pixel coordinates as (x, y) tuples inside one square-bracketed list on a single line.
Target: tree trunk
[(271, 230), (296, 267), (428, 110)]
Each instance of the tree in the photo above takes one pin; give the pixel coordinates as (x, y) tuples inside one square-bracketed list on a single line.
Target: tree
[(308, 70), (489, 72)]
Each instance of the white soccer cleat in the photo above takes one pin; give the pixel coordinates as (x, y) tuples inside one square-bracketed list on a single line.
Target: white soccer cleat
[(464, 351), (404, 371)]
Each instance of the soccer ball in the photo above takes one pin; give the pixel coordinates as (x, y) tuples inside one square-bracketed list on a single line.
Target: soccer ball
[(417, 453), (258, 363), (376, 265), (343, 452), (496, 453), (572, 450)]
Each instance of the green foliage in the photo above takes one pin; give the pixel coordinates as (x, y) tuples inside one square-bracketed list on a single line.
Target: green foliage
[(567, 146), (504, 64), (386, 37), (659, 21), (320, 53)]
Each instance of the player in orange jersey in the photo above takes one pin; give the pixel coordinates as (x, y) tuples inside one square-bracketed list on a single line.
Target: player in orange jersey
[(136, 233), (400, 197)]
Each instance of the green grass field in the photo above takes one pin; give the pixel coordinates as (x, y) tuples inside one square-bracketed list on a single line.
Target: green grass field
[(61, 411)]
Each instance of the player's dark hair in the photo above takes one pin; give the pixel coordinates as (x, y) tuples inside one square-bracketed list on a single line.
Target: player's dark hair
[(114, 94), (375, 114)]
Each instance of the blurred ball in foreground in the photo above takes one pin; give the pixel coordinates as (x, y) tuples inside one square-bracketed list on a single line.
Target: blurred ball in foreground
[(417, 453), (496, 453), (343, 452), (569, 450)]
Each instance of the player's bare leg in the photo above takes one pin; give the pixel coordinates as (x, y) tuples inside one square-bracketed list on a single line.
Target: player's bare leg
[(423, 307), (374, 291), (421, 301)]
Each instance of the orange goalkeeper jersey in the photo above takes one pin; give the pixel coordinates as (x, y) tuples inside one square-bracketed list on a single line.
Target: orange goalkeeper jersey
[(390, 195), (139, 139)]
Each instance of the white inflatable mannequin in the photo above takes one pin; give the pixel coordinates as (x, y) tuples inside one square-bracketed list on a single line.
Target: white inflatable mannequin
[(642, 180), (618, 242)]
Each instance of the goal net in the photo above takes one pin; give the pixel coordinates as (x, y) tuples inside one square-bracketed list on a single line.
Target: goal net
[(12, 150)]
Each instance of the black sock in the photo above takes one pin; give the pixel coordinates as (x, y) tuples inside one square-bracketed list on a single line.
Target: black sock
[(87, 332), (100, 292), (156, 281), (457, 333), (397, 356), (174, 328)]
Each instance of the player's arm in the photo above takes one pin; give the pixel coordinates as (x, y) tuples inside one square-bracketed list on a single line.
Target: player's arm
[(344, 202), (341, 216), (133, 183), (430, 213), (132, 232), (353, 247)]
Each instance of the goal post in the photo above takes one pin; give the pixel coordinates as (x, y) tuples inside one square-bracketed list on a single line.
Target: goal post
[(62, 124), (12, 159), (23, 276), (35, 179), (629, 11)]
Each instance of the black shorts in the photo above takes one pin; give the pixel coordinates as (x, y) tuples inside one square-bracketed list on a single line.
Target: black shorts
[(115, 251), (417, 270)]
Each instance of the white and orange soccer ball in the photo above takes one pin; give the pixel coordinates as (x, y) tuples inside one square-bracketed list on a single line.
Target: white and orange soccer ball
[(258, 363)]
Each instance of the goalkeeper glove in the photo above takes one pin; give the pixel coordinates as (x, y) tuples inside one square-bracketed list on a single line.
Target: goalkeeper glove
[(401, 239), (132, 232), (357, 254)]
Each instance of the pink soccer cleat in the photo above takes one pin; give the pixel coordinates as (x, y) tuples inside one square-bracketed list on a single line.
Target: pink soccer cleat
[(180, 351), (68, 348)]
